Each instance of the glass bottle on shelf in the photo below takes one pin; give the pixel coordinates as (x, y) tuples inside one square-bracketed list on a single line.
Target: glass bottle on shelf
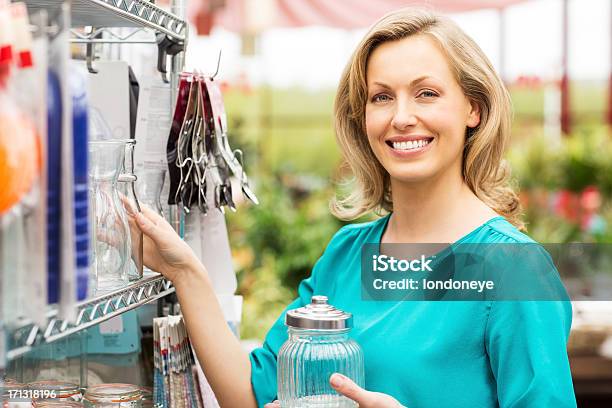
[(148, 189), (110, 231), (131, 204)]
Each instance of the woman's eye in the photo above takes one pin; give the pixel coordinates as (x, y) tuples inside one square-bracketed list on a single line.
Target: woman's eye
[(380, 98), (428, 94)]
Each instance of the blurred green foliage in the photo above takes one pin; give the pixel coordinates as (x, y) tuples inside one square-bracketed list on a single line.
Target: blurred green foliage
[(291, 156)]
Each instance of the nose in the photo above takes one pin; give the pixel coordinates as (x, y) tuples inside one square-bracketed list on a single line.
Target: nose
[(404, 115)]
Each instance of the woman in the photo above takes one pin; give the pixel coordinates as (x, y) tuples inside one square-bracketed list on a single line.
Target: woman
[(423, 119)]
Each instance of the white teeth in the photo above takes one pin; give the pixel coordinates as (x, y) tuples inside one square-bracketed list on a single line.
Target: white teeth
[(412, 144)]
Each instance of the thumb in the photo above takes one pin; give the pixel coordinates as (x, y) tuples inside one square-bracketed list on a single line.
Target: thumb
[(148, 227), (348, 388)]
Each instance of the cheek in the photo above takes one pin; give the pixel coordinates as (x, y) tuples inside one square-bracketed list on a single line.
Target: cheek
[(375, 123), (445, 121)]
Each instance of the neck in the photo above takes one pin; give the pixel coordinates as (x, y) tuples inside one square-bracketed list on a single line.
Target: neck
[(430, 211)]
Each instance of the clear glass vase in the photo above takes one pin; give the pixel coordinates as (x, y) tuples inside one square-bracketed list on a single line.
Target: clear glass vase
[(149, 188), (111, 241), (131, 204), (318, 346)]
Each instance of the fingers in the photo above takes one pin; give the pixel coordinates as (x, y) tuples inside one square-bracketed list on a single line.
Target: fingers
[(347, 387), (148, 227), (151, 214), (274, 404)]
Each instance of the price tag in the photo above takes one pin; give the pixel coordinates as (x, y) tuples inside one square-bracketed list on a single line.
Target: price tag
[(112, 326)]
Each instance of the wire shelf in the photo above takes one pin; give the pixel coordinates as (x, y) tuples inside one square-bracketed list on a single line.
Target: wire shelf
[(118, 13), (89, 313)]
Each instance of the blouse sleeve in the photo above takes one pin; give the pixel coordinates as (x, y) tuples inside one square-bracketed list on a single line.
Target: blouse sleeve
[(526, 342), (263, 359)]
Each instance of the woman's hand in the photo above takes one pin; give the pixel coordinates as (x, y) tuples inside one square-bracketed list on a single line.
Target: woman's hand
[(365, 399), (164, 251)]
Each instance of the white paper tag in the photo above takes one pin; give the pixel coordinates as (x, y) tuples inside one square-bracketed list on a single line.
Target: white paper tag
[(192, 232), (109, 93), (153, 122), (216, 252), (112, 326)]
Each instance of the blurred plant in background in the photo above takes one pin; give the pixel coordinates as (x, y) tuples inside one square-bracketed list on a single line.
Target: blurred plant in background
[(565, 187)]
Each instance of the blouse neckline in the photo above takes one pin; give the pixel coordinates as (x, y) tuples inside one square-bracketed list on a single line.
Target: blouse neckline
[(385, 222)]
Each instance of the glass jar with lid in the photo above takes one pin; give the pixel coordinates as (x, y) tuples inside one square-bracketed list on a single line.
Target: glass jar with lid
[(147, 397), (57, 404), (54, 390), (14, 394), (113, 396), (318, 346)]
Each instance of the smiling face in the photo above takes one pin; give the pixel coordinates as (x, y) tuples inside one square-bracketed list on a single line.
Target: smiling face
[(416, 113)]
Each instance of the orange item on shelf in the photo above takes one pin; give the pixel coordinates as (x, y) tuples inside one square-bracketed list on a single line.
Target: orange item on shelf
[(20, 156)]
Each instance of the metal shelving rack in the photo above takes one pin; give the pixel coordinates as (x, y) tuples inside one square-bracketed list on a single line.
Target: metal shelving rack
[(103, 14), (27, 335), (119, 13)]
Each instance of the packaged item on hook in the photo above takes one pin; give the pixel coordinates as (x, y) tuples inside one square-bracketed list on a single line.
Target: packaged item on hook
[(175, 212), (232, 159), (54, 166), (172, 145), (59, 60), (31, 50), (80, 137), (20, 177)]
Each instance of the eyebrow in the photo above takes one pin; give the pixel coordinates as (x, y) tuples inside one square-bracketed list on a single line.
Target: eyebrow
[(412, 83)]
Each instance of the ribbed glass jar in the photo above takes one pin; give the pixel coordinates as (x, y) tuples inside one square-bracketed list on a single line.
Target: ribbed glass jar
[(311, 355)]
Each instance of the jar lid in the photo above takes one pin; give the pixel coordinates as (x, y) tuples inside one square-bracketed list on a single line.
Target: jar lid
[(8, 385), (57, 404), (113, 393), (319, 315)]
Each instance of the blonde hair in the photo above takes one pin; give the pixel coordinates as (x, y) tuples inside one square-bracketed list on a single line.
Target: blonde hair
[(484, 170)]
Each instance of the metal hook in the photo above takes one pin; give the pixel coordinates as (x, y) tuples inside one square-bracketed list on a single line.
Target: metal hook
[(90, 53), (218, 65)]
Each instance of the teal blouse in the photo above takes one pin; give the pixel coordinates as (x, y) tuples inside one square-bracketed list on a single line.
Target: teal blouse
[(438, 353)]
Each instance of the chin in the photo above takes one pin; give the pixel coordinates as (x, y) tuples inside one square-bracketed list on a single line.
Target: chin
[(410, 177), (410, 172)]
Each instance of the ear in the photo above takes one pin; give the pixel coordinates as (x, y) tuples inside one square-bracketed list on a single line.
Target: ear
[(473, 118)]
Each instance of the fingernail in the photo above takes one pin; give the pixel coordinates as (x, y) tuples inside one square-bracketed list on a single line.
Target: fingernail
[(337, 380)]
